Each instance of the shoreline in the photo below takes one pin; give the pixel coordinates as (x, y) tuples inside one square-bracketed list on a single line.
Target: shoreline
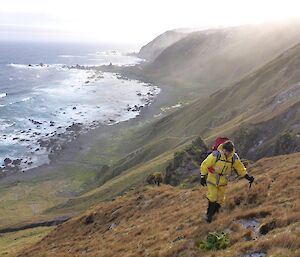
[(83, 142), (47, 144)]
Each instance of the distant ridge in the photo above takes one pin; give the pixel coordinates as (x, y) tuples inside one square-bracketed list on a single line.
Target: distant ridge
[(151, 50), (208, 60)]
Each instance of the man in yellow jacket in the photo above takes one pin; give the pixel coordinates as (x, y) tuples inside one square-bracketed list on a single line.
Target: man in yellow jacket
[(215, 170)]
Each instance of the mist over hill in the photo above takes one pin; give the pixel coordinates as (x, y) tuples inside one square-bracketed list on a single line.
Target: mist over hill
[(208, 60), (267, 99), (154, 48)]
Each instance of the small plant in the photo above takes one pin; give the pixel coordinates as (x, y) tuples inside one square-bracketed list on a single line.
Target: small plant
[(215, 241), (155, 178), (178, 158)]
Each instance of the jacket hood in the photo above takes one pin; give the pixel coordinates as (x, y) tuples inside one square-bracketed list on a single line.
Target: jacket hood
[(221, 150)]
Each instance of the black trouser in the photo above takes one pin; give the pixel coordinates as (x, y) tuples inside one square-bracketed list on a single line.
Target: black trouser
[(212, 208)]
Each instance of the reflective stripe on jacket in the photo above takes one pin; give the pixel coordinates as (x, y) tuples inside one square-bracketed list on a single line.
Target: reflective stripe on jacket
[(219, 168)]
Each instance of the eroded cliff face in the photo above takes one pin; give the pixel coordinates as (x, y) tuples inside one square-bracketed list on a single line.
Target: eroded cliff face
[(276, 136)]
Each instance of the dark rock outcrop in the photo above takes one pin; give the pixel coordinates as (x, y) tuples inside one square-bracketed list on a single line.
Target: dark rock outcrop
[(184, 168)]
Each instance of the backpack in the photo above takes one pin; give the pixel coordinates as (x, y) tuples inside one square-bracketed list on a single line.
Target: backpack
[(218, 141)]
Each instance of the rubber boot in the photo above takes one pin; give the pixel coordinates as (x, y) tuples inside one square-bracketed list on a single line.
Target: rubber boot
[(210, 211), (218, 206)]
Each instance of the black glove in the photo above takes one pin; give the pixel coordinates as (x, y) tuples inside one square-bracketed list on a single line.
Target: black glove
[(249, 178), (203, 180)]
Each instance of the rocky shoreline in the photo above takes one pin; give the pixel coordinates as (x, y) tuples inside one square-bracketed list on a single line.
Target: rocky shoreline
[(50, 145)]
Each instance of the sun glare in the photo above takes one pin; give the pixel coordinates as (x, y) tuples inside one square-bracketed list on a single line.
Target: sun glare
[(141, 20)]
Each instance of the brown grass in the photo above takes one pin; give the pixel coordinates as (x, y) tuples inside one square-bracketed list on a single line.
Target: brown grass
[(168, 221)]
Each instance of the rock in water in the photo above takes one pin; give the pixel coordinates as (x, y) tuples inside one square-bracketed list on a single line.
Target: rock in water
[(7, 161)]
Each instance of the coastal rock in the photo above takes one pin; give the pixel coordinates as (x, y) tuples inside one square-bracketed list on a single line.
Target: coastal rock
[(7, 161), (10, 169), (136, 108), (35, 122), (16, 162), (48, 143), (74, 127)]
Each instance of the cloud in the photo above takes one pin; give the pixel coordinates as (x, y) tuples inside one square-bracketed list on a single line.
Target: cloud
[(137, 20)]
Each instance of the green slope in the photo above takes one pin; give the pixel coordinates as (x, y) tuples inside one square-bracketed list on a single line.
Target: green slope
[(258, 98), (206, 61)]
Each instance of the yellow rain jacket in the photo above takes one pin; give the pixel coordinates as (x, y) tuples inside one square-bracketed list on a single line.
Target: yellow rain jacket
[(218, 168)]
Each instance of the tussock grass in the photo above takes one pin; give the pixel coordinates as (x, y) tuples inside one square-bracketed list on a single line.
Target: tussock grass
[(168, 221)]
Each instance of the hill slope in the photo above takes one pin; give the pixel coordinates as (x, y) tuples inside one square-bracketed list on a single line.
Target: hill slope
[(210, 60), (167, 221), (151, 50), (265, 104)]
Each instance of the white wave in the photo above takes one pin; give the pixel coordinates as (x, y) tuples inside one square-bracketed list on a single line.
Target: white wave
[(4, 124), (28, 66), (25, 99), (36, 66), (2, 95), (70, 56)]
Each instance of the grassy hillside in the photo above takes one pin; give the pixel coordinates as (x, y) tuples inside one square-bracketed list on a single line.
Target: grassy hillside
[(25, 201), (168, 221), (12, 243), (151, 50), (267, 99), (206, 61)]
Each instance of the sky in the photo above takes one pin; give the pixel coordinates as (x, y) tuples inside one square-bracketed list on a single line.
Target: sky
[(129, 21)]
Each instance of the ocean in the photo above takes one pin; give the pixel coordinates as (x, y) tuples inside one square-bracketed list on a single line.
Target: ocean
[(48, 96)]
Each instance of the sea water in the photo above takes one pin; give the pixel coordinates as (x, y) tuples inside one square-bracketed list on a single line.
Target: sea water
[(44, 95)]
